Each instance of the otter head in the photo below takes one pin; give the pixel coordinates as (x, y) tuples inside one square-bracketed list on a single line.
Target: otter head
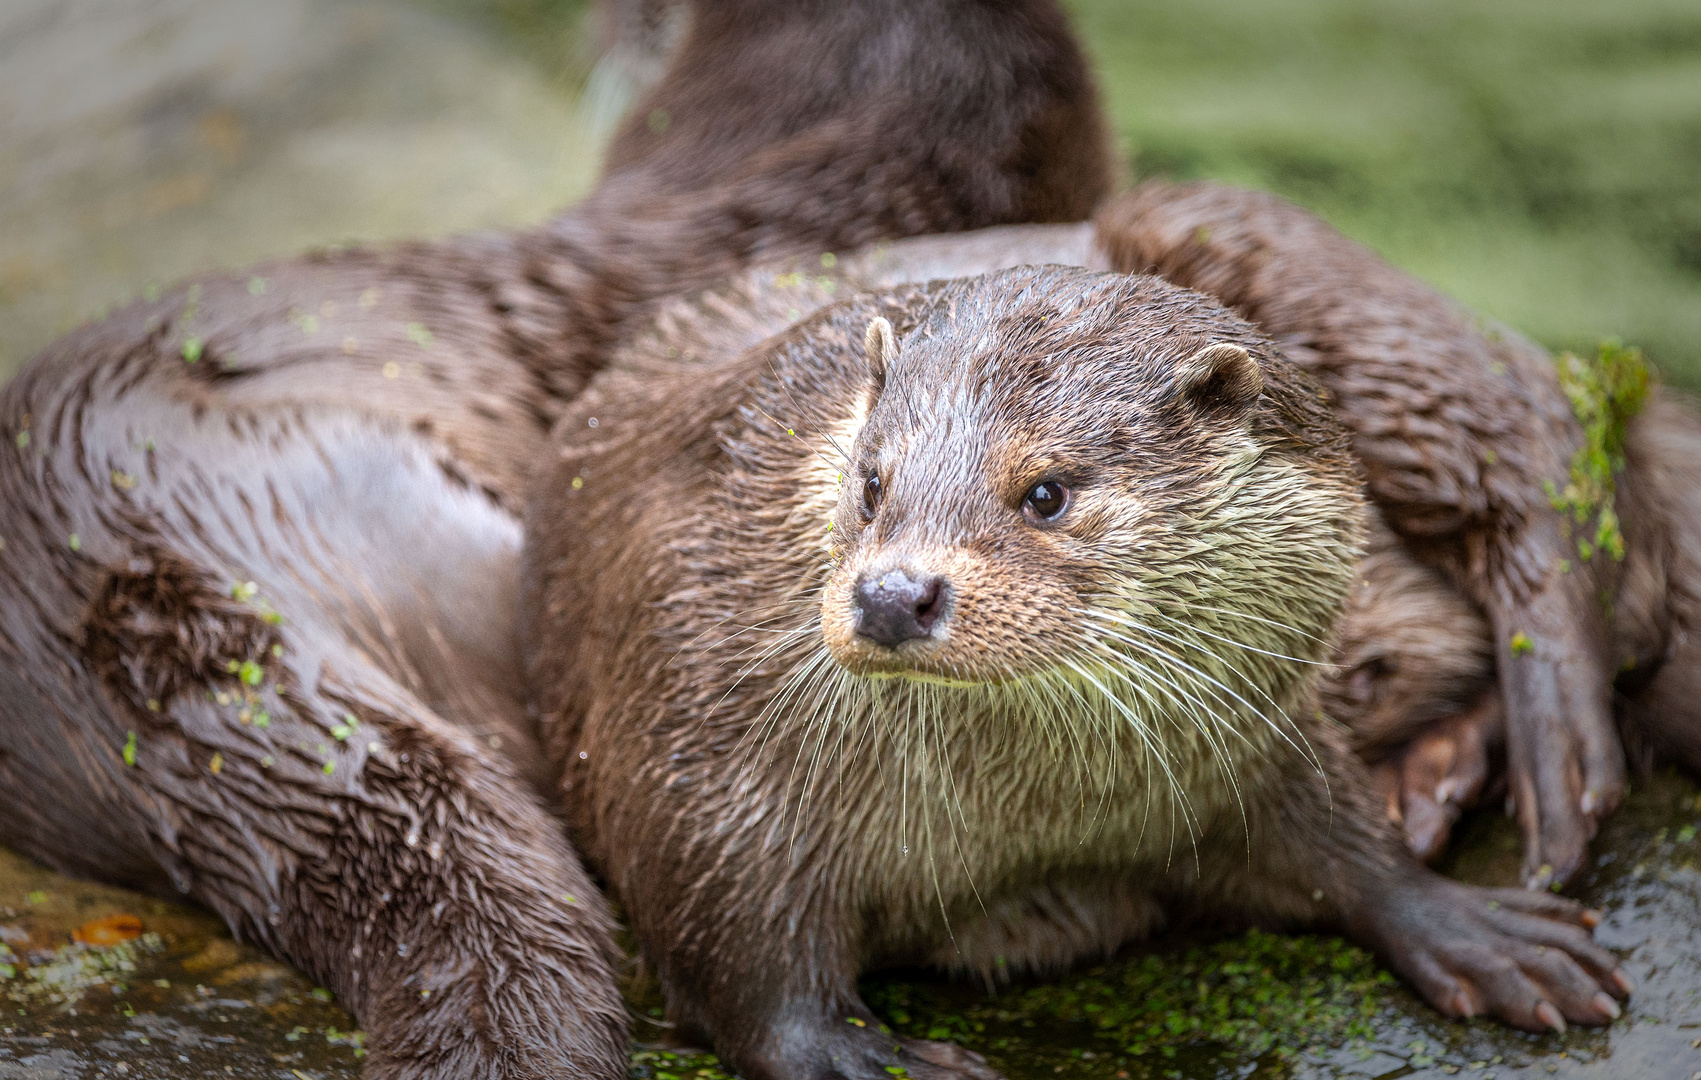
[(1060, 470)]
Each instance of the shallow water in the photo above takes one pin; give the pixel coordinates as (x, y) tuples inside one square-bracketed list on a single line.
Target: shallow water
[(185, 1001)]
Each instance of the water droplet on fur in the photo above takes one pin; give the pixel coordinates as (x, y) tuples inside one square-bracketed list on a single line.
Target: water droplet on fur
[(906, 849), (402, 949), (411, 840)]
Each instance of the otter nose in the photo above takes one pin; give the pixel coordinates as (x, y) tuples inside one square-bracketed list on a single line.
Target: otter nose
[(898, 606)]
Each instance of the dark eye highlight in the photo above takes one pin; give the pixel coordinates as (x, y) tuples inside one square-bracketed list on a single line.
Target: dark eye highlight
[(1046, 501), (871, 494)]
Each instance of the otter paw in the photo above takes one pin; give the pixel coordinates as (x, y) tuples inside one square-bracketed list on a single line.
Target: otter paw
[(1440, 774), (943, 1060), (1526, 958), (864, 1049), (1564, 762)]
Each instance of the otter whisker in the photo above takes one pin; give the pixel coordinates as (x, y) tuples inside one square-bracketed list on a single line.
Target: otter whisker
[(802, 603), (917, 704), (1199, 714), (1177, 791), (1195, 627), (1186, 702), (774, 649), (766, 651), (1060, 716), (1104, 733), (837, 449), (791, 430), (1307, 751), (829, 692), (810, 725), (768, 719), (1195, 702), (949, 779), (1151, 748), (1231, 613)]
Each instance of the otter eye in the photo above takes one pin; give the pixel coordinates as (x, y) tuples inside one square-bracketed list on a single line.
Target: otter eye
[(1045, 501), (871, 494)]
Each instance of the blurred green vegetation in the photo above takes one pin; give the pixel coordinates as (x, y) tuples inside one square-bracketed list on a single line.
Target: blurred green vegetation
[(1538, 159)]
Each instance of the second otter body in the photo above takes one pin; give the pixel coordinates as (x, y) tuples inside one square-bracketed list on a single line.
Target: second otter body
[(989, 648)]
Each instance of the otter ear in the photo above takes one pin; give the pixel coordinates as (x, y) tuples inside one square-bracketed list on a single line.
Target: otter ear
[(881, 346), (1221, 378)]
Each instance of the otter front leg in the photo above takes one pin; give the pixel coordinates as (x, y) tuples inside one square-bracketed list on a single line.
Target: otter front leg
[(1523, 957), (778, 1000)]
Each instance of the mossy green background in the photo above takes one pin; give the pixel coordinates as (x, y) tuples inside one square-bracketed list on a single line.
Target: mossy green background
[(1539, 159)]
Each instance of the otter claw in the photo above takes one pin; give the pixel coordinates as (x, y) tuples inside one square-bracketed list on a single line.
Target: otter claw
[(1606, 1006), (1547, 1014)]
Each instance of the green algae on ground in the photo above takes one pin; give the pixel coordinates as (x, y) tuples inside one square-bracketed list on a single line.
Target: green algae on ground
[(1254, 995), (658, 1063), (73, 970), (1605, 392)]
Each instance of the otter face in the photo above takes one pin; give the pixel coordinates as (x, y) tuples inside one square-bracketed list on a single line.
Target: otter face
[(1062, 470)]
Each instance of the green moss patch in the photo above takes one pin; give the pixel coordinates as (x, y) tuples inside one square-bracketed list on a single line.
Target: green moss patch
[(655, 1063), (1605, 391), (73, 970), (1255, 995)]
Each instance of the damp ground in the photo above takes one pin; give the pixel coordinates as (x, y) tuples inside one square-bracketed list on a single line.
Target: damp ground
[(99, 982)]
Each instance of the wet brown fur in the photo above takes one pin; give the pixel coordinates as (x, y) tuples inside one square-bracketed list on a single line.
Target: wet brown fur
[(1458, 424), (261, 535), (1414, 651), (777, 813)]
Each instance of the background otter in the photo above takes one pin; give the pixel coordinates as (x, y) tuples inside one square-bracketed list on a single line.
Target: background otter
[(1417, 681), (923, 658), (259, 540)]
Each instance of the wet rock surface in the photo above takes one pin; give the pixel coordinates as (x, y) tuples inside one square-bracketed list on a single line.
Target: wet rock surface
[(145, 140), (152, 989)]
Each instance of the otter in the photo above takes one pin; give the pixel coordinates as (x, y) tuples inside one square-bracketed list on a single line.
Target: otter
[(973, 622), (1458, 424), (259, 538), (1417, 652)]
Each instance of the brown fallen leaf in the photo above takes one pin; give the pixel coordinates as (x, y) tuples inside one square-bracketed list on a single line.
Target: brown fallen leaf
[(112, 930)]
